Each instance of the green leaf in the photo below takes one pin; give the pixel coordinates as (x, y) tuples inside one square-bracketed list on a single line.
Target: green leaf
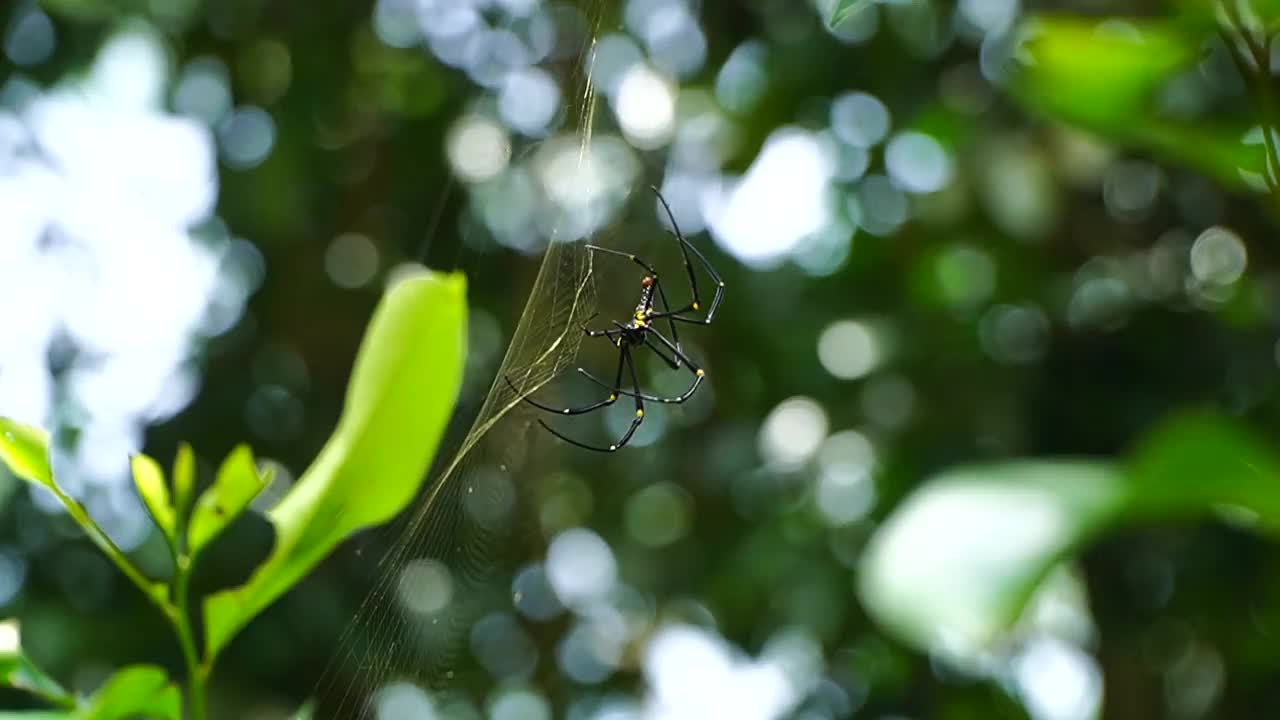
[(844, 9), (237, 484), (137, 691), (1106, 79), (956, 563), (18, 671), (184, 482), (148, 478), (1199, 463), (1099, 75), (403, 388), (25, 450)]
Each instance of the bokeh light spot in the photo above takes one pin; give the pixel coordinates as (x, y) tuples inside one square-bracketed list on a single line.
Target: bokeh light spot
[(849, 349), (859, 119), (203, 90), (528, 101), (246, 137), (658, 515), (781, 201), (519, 704), (793, 431), (845, 492), (917, 162), (889, 401), (533, 595), (404, 701), (351, 261), (503, 647), (646, 107), (1014, 334), (425, 586), (1218, 256), (1058, 681), (580, 566), (478, 148), (31, 38)]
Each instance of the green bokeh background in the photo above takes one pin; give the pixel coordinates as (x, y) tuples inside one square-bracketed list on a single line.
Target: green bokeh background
[(1174, 602)]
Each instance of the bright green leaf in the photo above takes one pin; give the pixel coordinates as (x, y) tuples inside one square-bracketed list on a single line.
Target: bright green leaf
[(184, 482), (137, 691), (957, 561), (1099, 75), (237, 484), (1201, 462), (148, 478), (402, 392), (1107, 79), (18, 671), (844, 9), (25, 450)]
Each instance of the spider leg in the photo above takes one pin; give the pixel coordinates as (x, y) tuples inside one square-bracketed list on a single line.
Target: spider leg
[(698, 375), (648, 268), (672, 361), (651, 398), (675, 334), (588, 331), (677, 316), (687, 247), (635, 421), (613, 395)]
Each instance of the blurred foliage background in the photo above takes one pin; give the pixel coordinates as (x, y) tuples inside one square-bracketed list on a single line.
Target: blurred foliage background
[(953, 235)]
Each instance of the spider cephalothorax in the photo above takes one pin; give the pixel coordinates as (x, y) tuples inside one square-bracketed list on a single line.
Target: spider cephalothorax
[(639, 332)]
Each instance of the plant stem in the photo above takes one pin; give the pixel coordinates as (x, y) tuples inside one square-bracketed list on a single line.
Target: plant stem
[(196, 672), (113, 552), (1263, 93), (176, 611)]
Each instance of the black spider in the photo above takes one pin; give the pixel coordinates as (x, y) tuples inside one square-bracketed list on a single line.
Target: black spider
[(639, 331)]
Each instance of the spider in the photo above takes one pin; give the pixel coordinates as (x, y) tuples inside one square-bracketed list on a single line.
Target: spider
[(640, 332)]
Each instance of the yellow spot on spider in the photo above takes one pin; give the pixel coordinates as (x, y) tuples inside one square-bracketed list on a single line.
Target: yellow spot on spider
[(613, 397), (695, 306), (639, 413), (701, 372)]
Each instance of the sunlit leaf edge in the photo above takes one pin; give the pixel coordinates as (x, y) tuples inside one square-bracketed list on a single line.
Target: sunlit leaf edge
[(1185, 468), (406, 380)]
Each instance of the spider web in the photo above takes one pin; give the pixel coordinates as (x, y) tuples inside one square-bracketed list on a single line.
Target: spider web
[(452, 558)]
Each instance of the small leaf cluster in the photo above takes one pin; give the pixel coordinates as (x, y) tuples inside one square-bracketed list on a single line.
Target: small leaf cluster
[(403, 388)]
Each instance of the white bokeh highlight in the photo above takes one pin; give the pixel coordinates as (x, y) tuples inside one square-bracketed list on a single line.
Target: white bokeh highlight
[(694, 674), (781, 200), (580, 567), (99, 192)]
